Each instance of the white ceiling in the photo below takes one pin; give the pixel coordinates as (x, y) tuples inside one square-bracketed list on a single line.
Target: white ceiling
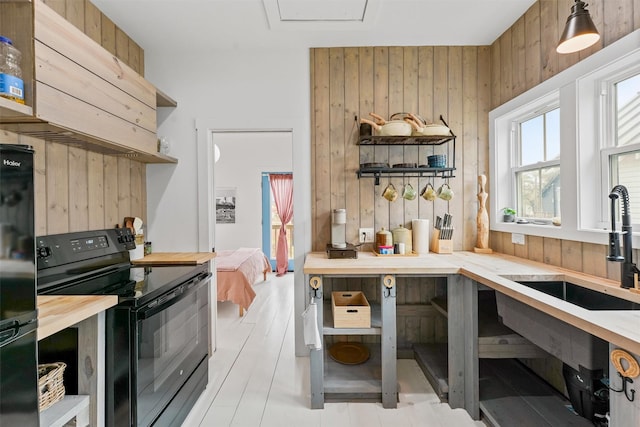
[(206, 24)]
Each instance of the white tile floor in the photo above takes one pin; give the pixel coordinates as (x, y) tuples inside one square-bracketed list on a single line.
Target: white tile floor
[(255, 379)]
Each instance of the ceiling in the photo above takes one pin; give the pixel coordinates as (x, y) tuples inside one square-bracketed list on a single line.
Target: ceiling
[(202, 25)]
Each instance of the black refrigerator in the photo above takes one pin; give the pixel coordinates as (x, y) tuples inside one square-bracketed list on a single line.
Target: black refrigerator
[(18, 315)]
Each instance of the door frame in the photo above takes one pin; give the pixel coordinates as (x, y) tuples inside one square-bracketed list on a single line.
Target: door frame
[(299, 126)]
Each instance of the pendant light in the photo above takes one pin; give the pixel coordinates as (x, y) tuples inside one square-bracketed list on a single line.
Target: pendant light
[(579, 32)]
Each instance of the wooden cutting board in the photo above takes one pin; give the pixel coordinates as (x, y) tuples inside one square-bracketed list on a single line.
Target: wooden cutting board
[(175, 258)]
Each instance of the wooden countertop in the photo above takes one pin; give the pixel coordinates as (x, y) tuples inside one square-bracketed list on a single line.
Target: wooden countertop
[(57, 312), (369, 263), (498, 271), (175, 258)]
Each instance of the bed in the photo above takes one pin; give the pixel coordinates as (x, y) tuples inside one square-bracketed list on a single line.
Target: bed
[(237, 271)]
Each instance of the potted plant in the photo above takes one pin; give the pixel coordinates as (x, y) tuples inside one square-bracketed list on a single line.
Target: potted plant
[(508, 214)]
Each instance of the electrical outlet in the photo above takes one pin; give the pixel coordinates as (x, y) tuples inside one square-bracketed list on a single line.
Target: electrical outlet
[(517, 238), (366, 235)]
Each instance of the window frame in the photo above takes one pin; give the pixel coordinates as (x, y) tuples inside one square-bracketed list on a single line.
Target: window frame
[(582, 127), (537, 110)]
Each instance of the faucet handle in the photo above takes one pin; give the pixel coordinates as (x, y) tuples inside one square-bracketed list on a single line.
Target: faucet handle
[(614, 247)]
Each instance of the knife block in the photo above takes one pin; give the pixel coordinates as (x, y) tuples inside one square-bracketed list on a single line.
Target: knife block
[(440, 246)]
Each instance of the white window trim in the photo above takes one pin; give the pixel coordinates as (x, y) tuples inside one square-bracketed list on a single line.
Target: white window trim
[(583, 194)]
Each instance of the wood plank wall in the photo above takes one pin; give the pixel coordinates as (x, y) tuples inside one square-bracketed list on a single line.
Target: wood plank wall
[(347, 83), (462, 84), (524, 56), (76, 189)]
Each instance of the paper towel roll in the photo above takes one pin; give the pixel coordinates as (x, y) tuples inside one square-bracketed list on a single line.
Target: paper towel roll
[(420, 229)]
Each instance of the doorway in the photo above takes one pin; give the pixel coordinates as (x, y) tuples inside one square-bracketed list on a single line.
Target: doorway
[(243, 157), (271, 225)]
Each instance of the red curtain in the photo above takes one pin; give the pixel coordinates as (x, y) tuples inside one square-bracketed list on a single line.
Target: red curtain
[(282, 189)]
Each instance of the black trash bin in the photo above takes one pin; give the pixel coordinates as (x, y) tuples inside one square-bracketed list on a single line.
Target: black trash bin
[(588, 395)]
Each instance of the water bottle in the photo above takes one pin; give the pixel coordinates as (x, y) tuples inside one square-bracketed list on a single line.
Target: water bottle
[(11, 84)]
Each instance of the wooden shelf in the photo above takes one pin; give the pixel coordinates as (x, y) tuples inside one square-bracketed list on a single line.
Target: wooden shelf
[(404, 140), (104, 108), (512, 395), (375, 379), (150, 158), (375, 329), (9, 108), (60, 413), (432, 359), (364, 378), (495, 340), (164, 100)]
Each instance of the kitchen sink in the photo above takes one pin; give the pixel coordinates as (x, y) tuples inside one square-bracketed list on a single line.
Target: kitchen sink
[(575, 347), (581, 296)]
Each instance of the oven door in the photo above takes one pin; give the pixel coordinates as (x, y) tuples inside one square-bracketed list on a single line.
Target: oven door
[(170, 341)]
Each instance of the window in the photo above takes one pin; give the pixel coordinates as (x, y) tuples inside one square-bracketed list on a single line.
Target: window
[(623, 158), (537, 170), (560, 147)]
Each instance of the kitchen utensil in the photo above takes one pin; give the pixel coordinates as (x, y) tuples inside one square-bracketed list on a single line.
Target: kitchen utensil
[(437, 161), (365, 129), (349, 353), (405, 165), (428, 193), (435, 130), (445, 192), (137, 224), (390, 193), (444, 226), (408, 193), (416, 126), (373, 165), (421, 128), (388, 128)]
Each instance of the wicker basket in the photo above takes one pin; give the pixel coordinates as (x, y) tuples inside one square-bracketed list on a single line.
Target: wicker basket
[(50, 385)]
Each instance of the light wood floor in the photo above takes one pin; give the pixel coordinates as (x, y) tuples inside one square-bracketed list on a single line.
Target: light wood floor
[(255, 379)]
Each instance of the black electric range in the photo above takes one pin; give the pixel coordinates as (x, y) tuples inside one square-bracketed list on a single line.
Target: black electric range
[(97, 263), (156, 337)]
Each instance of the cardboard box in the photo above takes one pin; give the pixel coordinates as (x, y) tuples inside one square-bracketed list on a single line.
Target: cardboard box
[(350, 310)]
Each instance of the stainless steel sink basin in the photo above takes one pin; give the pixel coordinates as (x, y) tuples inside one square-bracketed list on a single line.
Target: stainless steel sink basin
[(581, 296)]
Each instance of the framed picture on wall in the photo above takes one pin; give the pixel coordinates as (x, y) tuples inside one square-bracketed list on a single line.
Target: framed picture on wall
[(226, 205)]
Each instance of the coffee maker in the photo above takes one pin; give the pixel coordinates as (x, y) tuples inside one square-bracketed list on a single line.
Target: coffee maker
[(339, 248)]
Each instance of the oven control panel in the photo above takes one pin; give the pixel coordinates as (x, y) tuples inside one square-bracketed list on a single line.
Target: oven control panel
[(60, 249), (88, 243)]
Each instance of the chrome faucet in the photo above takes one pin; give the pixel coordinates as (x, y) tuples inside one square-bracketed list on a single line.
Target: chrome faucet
[(628, 269)]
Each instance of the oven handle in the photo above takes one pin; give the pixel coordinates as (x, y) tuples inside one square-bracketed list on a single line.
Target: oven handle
[(171, 298)]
